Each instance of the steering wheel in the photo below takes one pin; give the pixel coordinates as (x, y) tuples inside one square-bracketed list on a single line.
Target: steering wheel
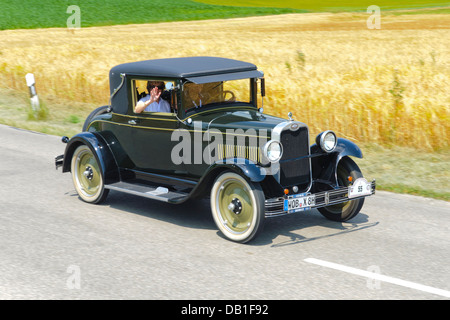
[(228, 92)]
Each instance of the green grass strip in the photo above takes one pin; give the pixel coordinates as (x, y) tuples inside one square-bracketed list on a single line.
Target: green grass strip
[(30, 14)]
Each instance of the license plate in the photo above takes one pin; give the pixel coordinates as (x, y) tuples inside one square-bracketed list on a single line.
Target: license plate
[(359, 188), (299, 202)]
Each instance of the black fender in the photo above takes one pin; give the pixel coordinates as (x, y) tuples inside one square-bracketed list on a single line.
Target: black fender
[(99, 148), (244, 167), (346, 147), (324, 165), (93, 114)]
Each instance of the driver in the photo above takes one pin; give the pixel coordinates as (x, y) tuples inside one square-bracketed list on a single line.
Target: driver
[(153, 101)]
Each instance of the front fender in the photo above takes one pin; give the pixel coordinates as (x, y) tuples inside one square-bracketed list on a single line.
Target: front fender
[(324, 165), (244, 167), (99, 148), (346, 147)]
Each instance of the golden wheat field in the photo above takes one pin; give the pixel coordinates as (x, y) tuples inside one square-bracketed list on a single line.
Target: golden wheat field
[(388, 86)]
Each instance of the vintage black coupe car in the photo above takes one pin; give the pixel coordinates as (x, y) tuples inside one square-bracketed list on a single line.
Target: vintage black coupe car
[(184, 128)]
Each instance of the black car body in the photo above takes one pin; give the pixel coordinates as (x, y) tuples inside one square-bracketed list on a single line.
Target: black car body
[(215, 142)]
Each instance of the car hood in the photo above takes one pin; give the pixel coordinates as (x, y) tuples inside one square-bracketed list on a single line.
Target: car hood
[(242, 119)]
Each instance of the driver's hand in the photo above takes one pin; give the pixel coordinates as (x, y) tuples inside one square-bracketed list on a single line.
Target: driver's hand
[(155, 94)]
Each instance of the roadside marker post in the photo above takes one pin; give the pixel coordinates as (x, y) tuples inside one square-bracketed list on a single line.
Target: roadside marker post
[(33, 95)]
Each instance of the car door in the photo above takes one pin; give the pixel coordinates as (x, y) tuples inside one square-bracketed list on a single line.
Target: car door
[(151, 145), (143, 140)]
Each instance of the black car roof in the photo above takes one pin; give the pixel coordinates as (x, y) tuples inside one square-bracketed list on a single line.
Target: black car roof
[(191, 68), (195, 69)]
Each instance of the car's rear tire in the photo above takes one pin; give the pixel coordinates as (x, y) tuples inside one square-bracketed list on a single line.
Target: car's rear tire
[(237, 207), (346, 210), (87, 176)]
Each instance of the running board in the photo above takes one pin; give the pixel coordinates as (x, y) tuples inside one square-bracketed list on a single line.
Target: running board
[(156, 193)]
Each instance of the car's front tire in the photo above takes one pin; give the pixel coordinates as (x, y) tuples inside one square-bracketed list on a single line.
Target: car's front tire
[(87, 176), (237, 207), (346, 210)]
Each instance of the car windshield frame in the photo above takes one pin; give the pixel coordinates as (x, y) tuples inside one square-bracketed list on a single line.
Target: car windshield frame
[(218, 88)]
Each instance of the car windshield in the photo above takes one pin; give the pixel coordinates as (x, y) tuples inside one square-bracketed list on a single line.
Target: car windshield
[(200, 95)]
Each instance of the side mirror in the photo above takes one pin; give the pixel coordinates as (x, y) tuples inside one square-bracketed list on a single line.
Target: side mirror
[(169, 86)]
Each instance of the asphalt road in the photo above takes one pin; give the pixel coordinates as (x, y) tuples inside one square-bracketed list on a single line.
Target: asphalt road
[(55, 246)]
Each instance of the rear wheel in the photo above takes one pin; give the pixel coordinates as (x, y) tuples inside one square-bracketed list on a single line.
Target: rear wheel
[(87, 176), (237, 207), (346, 210)]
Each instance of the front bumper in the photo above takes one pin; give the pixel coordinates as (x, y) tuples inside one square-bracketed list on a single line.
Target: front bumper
[(279, 206)]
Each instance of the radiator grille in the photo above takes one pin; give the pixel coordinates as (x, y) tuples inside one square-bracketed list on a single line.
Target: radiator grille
[(295, 145)]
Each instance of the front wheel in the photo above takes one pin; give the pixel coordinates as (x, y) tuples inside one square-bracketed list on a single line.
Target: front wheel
[(237, 207), (346, 210), (87, 176)]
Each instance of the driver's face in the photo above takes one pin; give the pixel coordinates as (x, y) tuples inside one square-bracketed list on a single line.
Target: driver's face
[(159, 88)]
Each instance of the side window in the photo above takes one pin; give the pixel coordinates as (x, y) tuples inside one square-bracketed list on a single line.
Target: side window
[(152, 96)]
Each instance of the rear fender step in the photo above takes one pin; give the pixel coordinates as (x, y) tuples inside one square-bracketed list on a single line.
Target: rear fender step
[(156, 193)]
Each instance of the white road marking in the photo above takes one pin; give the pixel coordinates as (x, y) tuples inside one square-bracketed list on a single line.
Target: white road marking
[(380, 277)]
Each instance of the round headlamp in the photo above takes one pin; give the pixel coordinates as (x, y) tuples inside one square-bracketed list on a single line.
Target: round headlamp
[(327, 141), (273, 150)]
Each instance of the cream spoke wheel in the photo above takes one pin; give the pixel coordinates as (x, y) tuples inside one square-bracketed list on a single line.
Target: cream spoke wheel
[(87, 176), (237, 207)]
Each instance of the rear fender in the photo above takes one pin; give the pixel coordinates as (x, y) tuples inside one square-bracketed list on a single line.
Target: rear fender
[(99, 148)]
